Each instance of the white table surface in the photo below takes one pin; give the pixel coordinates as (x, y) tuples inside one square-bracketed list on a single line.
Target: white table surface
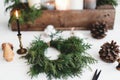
[(17, 69)]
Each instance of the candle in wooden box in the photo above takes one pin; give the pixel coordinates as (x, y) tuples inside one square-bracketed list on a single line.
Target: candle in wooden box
[(76, 4), (62, 4), (90, 4)]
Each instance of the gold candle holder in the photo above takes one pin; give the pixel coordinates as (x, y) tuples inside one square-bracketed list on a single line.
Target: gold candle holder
[(21, 50)]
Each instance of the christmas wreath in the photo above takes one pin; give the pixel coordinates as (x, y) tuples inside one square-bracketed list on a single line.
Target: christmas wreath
[(70, 62)]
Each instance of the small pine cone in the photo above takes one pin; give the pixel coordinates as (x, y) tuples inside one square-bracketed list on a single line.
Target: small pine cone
[(99, 30), (109, 52), (118, 66)]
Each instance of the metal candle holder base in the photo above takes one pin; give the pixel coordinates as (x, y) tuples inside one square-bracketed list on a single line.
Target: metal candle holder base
[(21, 50)]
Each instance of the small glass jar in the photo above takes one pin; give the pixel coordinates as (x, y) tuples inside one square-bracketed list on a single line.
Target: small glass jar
[(49, 4), (90, 4)]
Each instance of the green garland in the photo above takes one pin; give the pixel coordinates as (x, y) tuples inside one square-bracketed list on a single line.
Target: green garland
[(110, 2), (26, 14), (71, 61)]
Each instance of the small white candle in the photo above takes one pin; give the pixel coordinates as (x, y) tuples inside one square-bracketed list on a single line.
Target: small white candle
[(72, 31), (62, 4), (76, 4), (35, 3)]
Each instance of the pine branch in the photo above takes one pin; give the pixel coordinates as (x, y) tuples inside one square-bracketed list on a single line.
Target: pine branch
[(27, 15), (110, 2)]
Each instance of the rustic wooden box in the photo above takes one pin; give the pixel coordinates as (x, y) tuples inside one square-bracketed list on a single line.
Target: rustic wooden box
[(64, 20)]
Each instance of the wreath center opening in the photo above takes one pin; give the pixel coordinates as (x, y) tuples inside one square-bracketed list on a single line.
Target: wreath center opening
[(52, 53)]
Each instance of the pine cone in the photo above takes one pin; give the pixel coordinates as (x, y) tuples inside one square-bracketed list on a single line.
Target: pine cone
[(118, 66), (99, 30), (109, 52)]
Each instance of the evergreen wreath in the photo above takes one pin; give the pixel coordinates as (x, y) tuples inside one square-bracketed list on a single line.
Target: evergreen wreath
[(71, 61)]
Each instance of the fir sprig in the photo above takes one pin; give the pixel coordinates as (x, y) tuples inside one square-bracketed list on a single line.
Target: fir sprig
[(71, 61), (14, 4), (72, 44), (110, 2), (27, 14)]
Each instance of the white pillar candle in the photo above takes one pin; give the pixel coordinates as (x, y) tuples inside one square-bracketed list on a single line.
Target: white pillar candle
[(23, 1), (76, 4), (90, 4), (35, 3), (62, 4), (118, 1)]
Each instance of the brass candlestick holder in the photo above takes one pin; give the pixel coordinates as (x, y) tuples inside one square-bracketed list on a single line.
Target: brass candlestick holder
[(21, 50)]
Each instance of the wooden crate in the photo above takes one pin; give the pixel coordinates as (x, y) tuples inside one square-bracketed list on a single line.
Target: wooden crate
[(65, 20)]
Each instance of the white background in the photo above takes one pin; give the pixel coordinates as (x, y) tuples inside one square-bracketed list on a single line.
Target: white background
[(17, 69)]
